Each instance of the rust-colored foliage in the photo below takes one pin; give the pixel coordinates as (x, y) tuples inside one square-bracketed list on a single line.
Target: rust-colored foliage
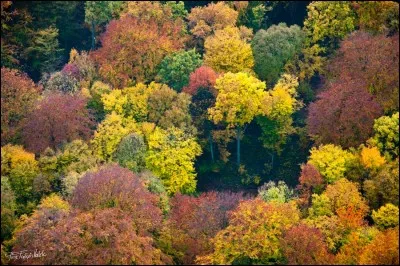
[(372, 61), (58, 118), (304, 245), (97, 237), (202, 78), (351, 217), (18, 95), (310, 179), (132, 49), (114, 186), (344, 114), (195, 220), (384, 249)]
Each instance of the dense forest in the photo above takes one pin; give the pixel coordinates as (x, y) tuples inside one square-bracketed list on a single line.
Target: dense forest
[(199, 132)]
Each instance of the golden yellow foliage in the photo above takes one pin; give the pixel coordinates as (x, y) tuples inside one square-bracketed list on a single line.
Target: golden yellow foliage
[(371, 157), (110, 132), (226, 51)]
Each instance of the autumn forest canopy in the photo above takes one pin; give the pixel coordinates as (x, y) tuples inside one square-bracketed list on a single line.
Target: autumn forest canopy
[(200, 132)]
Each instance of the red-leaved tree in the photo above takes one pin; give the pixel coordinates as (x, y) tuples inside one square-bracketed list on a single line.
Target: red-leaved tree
[(58, 118), (343, 114), (204, 77), (194, 221), (304, 245)]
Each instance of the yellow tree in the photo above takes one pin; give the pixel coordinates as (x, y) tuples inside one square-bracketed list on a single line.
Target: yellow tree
[(253, 233), (110, 133), (170, 156), (228, 51), (239, 100)]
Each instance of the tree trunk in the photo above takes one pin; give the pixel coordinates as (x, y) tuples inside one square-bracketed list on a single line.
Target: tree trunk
[(93, 35), (211, 146), (238, 145)]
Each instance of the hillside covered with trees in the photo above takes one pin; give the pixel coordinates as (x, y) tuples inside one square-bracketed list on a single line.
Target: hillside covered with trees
[(200, 132)]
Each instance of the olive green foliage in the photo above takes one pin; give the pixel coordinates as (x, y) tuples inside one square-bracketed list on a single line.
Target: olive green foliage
[(44, 51), (387, 216), (177, 8), (167, 108), (328, 22), (277, 192), (321, 206), (175, 69), (21, 168), (75, 156), (69, 182), (131, 153), (155, 185), (383, 186), (8, 208), (273, 48), (95, 103), (386, 137)]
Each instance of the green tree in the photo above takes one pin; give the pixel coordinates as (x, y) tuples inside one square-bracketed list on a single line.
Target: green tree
[(176, 68), (43, 51), (167, 108), (382, 186), (21, 168), (328, 22), (177, 8), (273, 48), (96, 13), (8, 208), (131, 153)]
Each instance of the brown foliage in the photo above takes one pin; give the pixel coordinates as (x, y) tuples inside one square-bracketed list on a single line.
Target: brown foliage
[(114, 186), (18, 96), (97, 237), (372, 61), (132, 49)]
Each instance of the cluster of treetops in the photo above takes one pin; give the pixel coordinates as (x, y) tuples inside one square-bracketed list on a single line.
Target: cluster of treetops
[(98, 154)]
